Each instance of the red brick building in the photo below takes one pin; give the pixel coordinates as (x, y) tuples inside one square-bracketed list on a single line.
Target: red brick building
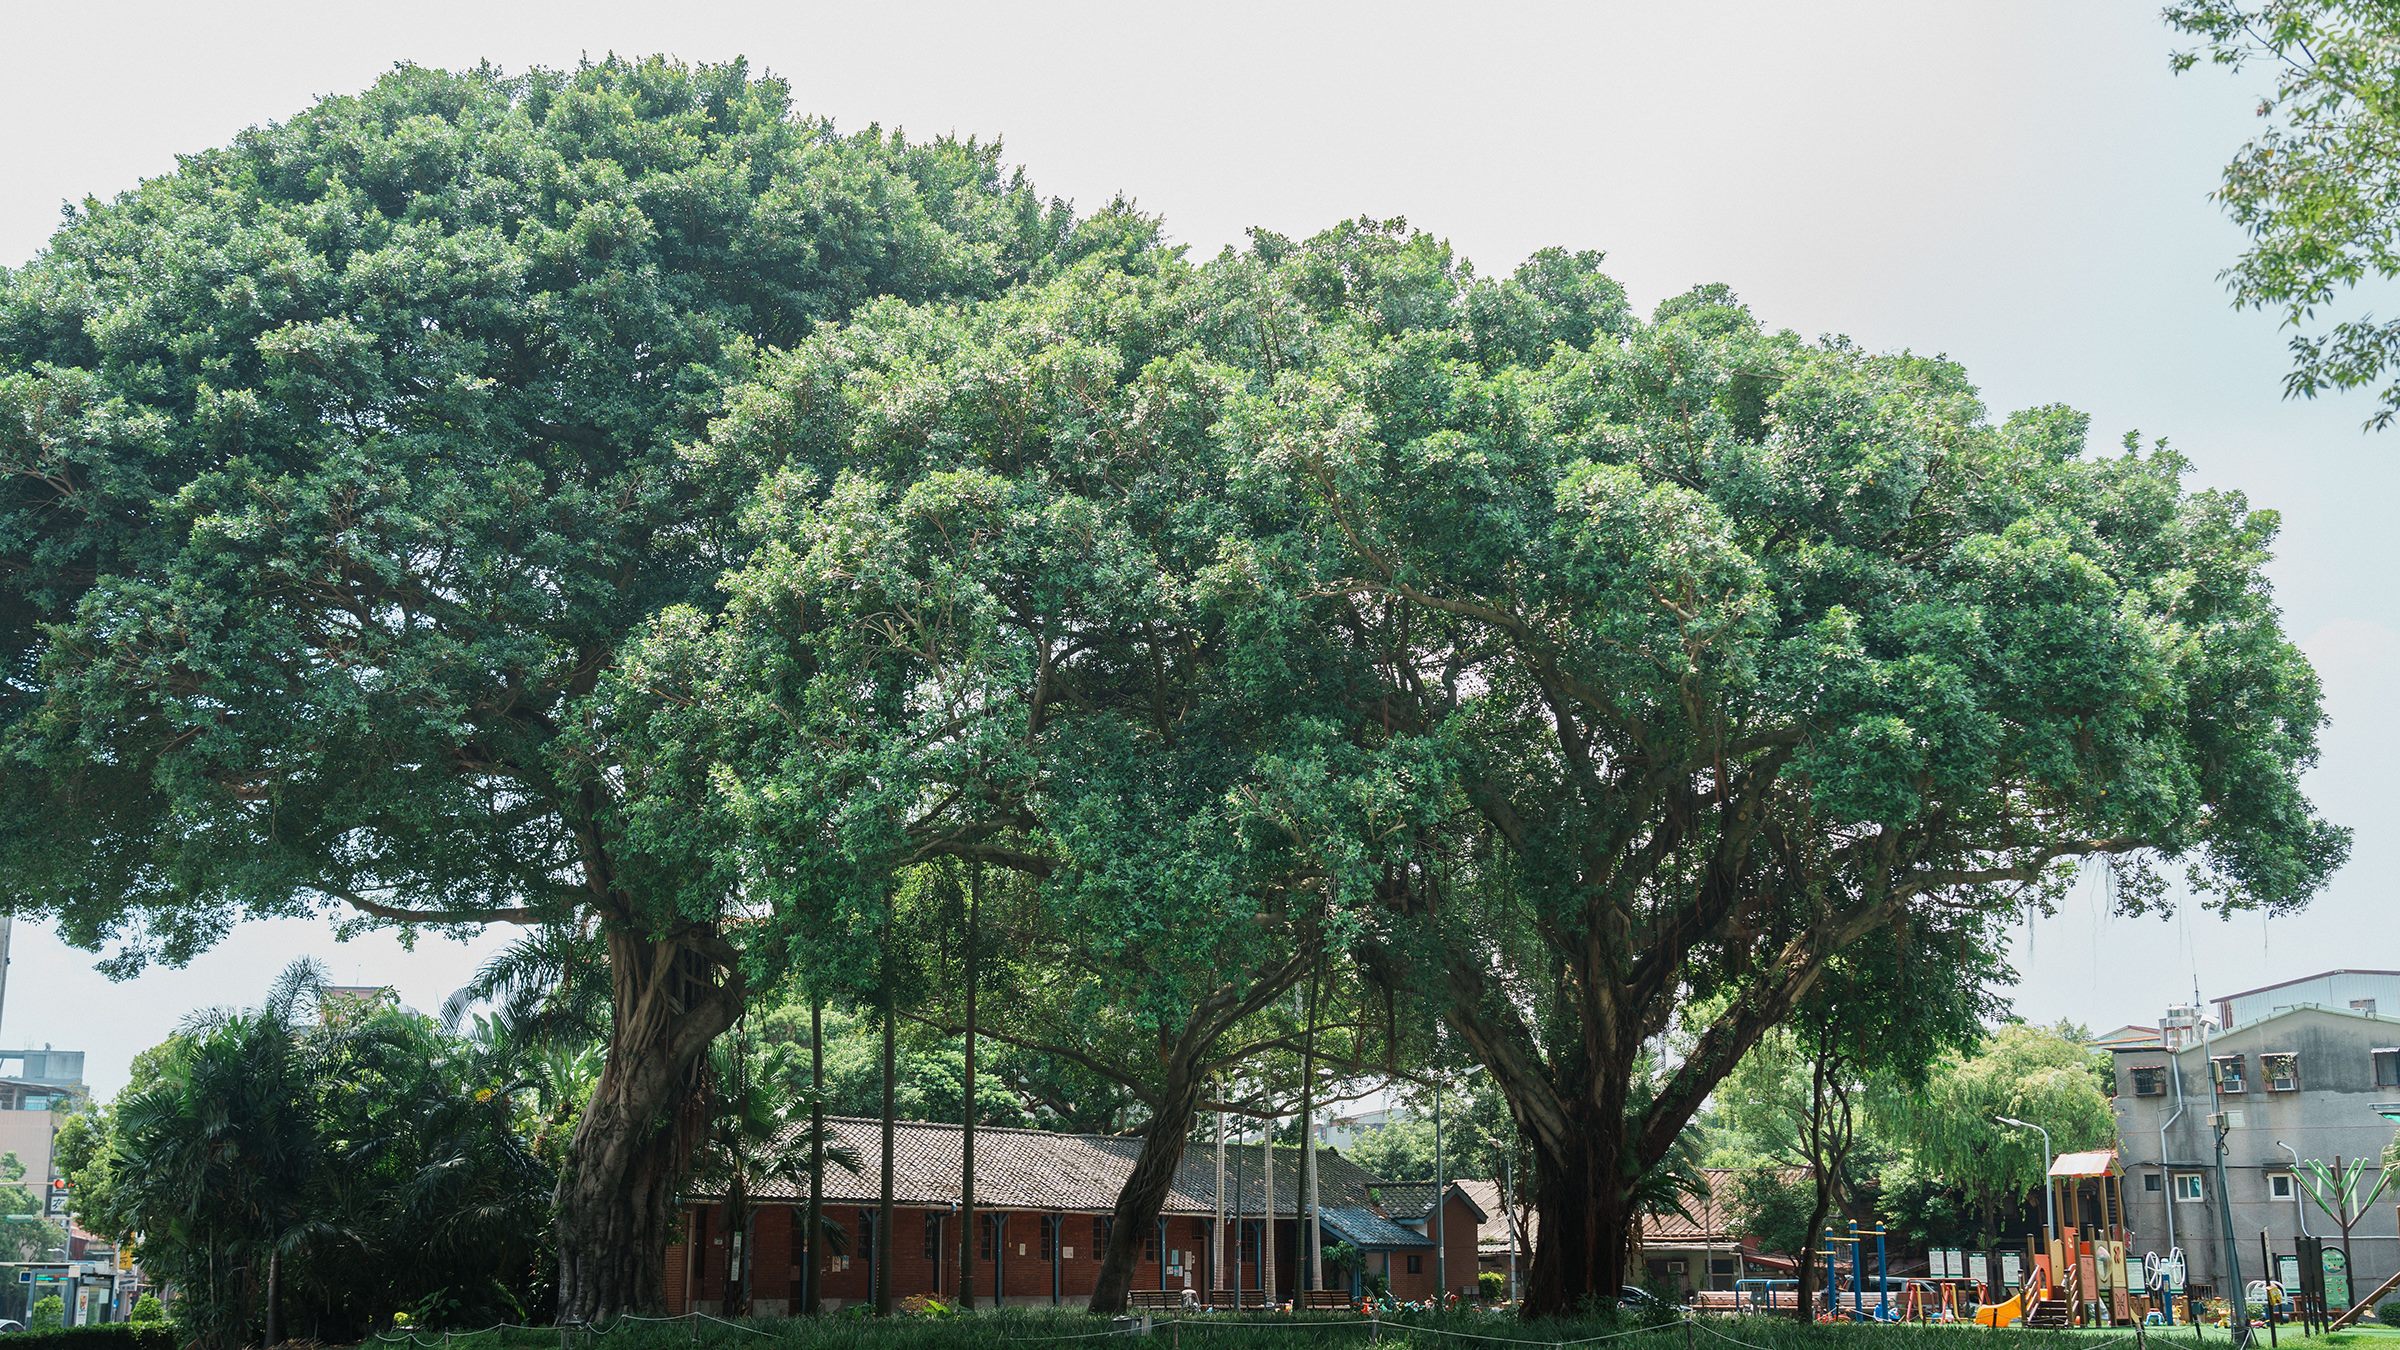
[(1042, 1207)]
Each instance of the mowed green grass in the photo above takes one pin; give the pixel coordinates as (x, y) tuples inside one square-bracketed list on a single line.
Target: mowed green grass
[(1047, 1330)]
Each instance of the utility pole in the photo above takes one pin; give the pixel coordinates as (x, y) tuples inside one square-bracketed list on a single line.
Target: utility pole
[(1441, 1184), (2233, 1256), (1266, 1206), (1216, 1233)]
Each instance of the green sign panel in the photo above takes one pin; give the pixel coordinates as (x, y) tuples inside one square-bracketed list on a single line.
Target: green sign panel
[(2337, 1279)]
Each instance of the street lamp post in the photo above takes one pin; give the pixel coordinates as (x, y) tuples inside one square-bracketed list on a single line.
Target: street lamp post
[(2049, 1196)]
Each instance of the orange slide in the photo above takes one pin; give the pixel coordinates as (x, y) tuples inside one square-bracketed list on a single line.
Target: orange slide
[(2010, 1311)]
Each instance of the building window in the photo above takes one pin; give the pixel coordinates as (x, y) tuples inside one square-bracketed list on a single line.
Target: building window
[(1416, 1264), (1248, 1243), (2279, 1185), (2152, 1181), (2281, 1072), (2230, 1073), (2363, 1005), (1150, 1244), (2387, 1067), (989, 1238), (1100, 1237), (1722, 1265), (2189, 1187), (1050, 1239), (933, 1237), (1200, 1230), (2150, 1080)]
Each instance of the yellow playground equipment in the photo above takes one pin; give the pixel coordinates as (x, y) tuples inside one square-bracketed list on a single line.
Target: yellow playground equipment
[(2075, 1272)]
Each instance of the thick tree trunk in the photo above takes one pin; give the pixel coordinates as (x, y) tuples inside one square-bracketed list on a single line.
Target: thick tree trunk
[(1579, 1192), (616, 1196), (1145, 1190)]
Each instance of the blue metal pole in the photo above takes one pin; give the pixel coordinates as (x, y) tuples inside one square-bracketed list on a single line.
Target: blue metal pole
[(1858, 1273), (1883, 1278)]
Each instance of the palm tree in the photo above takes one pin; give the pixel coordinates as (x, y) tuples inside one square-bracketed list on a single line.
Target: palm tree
[(229, 1155), (760, 1128)]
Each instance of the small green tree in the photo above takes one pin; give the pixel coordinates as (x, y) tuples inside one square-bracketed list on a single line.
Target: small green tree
[(147, 1310), (1950, 1125), (49, 1313)]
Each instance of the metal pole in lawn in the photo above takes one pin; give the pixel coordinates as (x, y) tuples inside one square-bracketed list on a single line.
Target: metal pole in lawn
[(1441, 1240)]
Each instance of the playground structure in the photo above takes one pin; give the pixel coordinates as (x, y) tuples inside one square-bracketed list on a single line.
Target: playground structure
[(2075, 1273)]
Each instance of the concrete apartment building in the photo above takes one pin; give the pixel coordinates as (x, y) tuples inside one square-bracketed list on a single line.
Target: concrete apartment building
[(2295, 1079), (32, 1084)]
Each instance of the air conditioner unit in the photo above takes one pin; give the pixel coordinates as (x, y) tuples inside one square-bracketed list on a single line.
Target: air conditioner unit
[(1674, 1267)]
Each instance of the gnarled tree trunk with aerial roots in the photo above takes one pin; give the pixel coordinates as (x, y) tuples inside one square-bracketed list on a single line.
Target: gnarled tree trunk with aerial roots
[(634, 1145)]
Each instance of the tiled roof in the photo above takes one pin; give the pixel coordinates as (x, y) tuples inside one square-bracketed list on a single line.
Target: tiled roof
[(1414, 1199), (1493, 1236), (1370, 1231), (1043, 1170), (1714, 1212)]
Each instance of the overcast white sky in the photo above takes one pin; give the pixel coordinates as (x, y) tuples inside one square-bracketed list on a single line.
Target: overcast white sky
[(2021, 186)]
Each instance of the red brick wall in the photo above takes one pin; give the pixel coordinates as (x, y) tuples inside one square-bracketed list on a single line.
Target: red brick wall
[(1025, 1275)]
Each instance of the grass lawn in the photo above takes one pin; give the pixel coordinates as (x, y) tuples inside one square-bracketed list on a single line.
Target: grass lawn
[(1047, 1330)]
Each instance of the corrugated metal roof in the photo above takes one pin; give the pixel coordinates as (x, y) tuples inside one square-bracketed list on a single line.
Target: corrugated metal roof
[(2092, 1162)]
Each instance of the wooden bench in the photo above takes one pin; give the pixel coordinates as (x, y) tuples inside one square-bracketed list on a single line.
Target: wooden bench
[(1154, 1300), (1235, 1298), (1325, 1300)]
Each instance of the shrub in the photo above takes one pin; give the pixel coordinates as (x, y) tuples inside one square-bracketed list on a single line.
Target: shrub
[(105, 1336), (1492, 1285), (2389, 1313), (49, 1314), (147, 1309)]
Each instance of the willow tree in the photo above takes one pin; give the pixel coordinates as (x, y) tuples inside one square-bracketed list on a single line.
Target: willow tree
[(1742, 648), (334, 466), (984, 620)]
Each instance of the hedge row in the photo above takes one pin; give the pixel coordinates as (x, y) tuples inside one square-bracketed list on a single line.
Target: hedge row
[(106, 1336)]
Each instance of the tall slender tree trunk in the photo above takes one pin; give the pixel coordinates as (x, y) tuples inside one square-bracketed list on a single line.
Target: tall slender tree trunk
[(812, 1242), (1145, 1190), (274, 1293), (1311, 1274), (966, 1180), (737, 1244), (884, 1210), (1266, 1209), (633, 1145)]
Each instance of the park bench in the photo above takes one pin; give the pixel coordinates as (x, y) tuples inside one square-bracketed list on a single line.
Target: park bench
[(1154, 1300), (1325, 1300)]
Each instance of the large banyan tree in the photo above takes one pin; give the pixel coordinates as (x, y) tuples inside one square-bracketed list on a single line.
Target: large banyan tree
[(402, 511), (335, 465), (1739, 649)]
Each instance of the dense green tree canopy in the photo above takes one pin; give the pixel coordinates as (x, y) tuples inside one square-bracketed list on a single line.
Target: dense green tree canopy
[(334, 467), (1741, 648), (2318, 188), (339, 459)]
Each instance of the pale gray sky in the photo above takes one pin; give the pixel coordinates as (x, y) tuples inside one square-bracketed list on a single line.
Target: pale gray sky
[(2021, 186)]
